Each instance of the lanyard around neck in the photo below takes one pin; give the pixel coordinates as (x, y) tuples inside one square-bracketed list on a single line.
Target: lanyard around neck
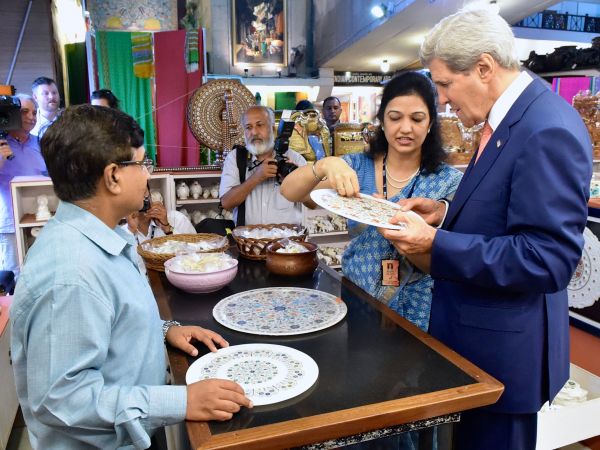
[(413, 183)]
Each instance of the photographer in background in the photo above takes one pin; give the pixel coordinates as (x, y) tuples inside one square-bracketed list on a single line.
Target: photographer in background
[(19, 155), (258, 190)]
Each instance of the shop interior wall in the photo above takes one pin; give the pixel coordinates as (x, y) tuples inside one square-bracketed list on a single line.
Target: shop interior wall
[(36, 55), (216, 17), (338, 24)]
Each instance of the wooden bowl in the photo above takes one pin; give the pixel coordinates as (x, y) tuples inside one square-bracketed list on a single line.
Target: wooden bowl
[(292, 264)]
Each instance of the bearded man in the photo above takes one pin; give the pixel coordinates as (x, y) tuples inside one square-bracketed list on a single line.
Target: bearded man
[(259, 190)]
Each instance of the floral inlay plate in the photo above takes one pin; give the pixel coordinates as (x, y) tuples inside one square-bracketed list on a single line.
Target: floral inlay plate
[(280, 311), (268, 373), (584, 287), (364, 209)]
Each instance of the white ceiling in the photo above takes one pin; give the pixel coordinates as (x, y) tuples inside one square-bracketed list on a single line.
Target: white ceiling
[(398, 38)]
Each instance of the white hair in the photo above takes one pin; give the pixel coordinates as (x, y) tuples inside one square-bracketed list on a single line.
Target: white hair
[(460, 39), (27, 97), (265, 109)]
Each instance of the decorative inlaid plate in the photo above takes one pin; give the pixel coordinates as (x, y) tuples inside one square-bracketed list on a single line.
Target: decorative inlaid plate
[(364, 209), (584, 287), (267, 373), (205, 108), (280, 311)]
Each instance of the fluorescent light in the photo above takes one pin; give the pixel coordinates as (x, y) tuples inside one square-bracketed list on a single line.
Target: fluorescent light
[(378, 11)]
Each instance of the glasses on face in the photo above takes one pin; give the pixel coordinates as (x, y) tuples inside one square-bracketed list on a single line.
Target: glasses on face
[(147, 163)]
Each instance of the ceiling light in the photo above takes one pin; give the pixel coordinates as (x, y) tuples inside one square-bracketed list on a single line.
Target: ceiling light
[(385, 66), (378, 11), (347, 75)]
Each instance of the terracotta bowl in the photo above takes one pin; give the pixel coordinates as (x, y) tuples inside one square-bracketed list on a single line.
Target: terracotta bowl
[(199, 282), (292, 264)]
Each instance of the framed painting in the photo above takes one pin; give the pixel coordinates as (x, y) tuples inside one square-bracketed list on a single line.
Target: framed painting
[(584, 288), (259, 32)]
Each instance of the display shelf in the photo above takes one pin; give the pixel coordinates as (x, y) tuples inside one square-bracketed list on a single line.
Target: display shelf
[(574, 423), (26, 190), (330, 234), (571, 73), (29, 221), (198, 201)]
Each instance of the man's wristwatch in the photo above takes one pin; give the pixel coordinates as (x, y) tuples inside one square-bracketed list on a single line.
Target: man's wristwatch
[(168, 229), (168, 324)]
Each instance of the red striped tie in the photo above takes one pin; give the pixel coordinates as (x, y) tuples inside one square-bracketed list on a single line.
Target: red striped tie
[(486, 134)]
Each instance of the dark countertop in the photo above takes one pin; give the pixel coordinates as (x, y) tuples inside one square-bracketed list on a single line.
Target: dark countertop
[(375, 368)]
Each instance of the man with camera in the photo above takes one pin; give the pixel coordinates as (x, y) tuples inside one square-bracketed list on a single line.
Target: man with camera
[(268, 161), (19, 155)]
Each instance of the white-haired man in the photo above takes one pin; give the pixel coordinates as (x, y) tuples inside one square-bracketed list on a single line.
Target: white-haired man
[(512, 236), (263, 202), (19, 155)]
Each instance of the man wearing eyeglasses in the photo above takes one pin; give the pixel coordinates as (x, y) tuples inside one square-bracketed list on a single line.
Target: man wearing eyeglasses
[(87, 341)]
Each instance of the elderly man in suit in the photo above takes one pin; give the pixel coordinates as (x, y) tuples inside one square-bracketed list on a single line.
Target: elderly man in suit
[(512, 235)]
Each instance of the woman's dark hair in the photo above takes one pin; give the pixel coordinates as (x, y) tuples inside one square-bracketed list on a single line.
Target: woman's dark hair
[(82, 141), (412, 83), (106, 94)]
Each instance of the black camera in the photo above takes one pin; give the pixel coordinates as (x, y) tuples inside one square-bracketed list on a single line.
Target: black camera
[(282, 143), (10, 113), (10, 116)]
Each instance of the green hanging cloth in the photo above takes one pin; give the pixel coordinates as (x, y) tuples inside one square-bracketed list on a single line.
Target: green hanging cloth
[(115, 62)]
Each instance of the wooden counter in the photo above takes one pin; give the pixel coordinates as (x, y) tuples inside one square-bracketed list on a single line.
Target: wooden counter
[(376, 370)]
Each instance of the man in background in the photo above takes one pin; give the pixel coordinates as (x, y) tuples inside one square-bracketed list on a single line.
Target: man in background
[(19, 155), (87, 341), (260, 191), (47, 97), (332, 110)]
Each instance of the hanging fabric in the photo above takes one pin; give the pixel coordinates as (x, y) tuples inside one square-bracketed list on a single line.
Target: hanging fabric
[(191, 51), (141, 51), (115, 60)]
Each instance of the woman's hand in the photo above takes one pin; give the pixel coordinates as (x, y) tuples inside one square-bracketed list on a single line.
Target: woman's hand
[(341, 176)]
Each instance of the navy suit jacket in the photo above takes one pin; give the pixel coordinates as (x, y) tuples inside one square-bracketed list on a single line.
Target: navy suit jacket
[(509, 246)]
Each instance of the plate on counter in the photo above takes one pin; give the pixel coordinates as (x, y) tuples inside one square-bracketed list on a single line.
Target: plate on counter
[(364, 209), (280, 311), (268, 373)]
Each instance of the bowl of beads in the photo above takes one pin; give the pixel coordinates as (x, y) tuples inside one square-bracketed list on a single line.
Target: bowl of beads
[(201, 273)]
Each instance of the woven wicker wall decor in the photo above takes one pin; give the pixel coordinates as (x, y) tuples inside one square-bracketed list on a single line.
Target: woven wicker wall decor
[(212, 122)]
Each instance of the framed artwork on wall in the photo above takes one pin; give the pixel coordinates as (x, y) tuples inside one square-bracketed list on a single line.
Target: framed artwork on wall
[(584, 288), (259, 32)]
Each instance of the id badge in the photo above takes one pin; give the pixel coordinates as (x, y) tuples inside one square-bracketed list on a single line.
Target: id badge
[(390, 270)]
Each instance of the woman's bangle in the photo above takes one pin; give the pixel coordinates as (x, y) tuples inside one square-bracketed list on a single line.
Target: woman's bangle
[(314, 171)]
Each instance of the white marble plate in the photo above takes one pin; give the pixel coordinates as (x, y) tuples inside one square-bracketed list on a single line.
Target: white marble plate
[(280, 311), (268, 373), (584, 287), (364, 209)]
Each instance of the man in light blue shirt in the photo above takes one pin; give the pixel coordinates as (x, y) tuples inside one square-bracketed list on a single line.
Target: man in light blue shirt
[(87, 340)]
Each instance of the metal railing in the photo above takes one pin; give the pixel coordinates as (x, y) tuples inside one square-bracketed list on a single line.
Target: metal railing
[(552, 20)]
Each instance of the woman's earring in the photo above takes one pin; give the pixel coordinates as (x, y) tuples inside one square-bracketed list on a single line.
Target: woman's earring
[(428, 130)]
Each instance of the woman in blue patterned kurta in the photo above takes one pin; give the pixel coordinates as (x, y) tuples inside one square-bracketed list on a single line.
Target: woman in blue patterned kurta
[(405, 159)]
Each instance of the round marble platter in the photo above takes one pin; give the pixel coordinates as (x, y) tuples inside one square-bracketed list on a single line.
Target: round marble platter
[(280, 311), (364, 209), (584, 287), (268, 373)]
